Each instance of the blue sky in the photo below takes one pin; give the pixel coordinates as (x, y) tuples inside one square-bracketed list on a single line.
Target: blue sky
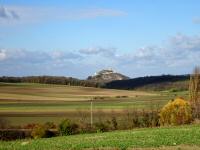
[(78, 37)]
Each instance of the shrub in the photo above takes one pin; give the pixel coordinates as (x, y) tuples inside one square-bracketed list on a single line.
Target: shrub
[(39, 131), (30, 126), (8, 135), (66, 127), (176, 112), (101, 127), (4, 123), (123, 96), (114, 123), (138, 118), (86, 128), (173, 90), (50, 125)]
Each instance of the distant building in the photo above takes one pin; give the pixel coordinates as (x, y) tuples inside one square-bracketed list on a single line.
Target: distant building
[(105, 71)]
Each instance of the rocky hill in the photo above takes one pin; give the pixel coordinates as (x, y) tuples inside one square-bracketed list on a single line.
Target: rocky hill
[(105, 76)]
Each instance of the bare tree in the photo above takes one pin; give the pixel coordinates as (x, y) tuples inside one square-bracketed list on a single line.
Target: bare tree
[(194, 91)]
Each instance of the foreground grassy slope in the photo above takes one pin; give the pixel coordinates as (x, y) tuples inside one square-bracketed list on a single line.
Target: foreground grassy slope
[(155, 137)]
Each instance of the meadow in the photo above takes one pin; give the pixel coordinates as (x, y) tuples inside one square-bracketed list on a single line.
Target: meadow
[(181, 138), (22, 103)]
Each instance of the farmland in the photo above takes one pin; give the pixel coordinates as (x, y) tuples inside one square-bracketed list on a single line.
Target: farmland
[(23, 103), (186, 137)]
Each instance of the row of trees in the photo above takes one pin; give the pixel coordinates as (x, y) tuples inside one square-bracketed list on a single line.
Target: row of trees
[(50, 80)]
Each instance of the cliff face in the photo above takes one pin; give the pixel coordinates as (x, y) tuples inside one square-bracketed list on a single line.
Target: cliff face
[(107, 76)]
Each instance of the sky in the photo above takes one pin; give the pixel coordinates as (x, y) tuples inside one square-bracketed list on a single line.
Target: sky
[(80, 37)]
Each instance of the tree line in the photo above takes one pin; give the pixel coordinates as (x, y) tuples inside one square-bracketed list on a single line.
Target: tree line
[(117, 84), (49, 80)]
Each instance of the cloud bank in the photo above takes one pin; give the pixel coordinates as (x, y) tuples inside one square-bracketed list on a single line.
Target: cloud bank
[(177, 55)]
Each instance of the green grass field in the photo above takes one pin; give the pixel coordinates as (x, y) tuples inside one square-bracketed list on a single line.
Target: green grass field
[(187, 136), (23, 103)]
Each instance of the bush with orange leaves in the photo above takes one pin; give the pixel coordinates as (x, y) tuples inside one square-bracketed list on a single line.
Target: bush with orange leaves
[(176, 112)]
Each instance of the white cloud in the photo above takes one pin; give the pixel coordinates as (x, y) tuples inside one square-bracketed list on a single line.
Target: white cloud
[(184, 42), (28, 14), (7, 14), (19, 62), (196, 20), (180, 50), (60, 55), (25, 56), (107, 52), (2, 55)]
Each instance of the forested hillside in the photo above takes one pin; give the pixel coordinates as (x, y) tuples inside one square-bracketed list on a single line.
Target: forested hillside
[(162, 82)]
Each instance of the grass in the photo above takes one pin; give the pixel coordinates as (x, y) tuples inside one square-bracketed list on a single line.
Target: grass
[(138, 138), (34, 101)]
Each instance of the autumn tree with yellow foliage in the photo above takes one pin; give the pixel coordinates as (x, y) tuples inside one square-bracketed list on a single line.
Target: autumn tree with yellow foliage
[(176, 112)]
